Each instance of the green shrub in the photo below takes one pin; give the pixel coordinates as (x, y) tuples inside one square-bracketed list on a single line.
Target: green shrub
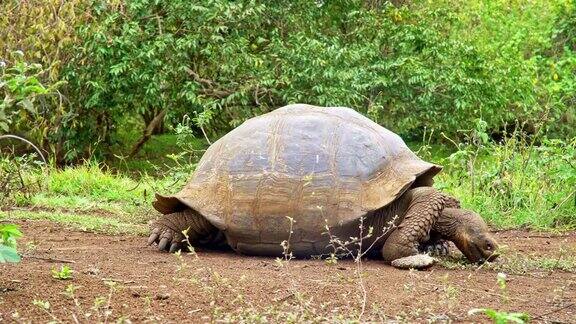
[(558, 70), (39, 31), (8, 235), (23, 108), (517, 183), (409, 68), (428, 64)]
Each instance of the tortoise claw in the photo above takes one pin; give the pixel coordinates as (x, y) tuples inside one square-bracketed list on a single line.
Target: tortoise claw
[(437, 248), (153, 236), (163, 243), (175, 246)]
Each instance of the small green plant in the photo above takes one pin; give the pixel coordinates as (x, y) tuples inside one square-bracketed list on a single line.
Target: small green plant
[(501, 317), (501, 280), (332, 259), (65, 273), (286, 252), (45, 305), (8, 235)]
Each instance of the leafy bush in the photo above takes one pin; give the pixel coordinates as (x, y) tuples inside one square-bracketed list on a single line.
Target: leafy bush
[(424, 65), (8, 235), (220, 62), (39, 31), (23, 108), (558, 69), (144, 57)]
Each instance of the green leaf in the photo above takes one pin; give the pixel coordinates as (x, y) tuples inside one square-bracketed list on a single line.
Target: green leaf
[(10, 230), (8, 235), (27, 104), (8, 254)]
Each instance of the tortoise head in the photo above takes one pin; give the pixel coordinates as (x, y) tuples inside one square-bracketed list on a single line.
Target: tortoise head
[(470, 234)]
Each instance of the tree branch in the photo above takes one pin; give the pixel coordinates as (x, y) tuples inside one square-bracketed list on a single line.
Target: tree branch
[(212, 88), (27, 142), (147, 133)]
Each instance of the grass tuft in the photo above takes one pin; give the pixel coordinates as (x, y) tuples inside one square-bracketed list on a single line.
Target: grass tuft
[(90, 180)]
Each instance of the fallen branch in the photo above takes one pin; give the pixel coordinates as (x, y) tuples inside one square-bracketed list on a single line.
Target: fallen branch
[(54, 260), (118, 280), (554, 311)]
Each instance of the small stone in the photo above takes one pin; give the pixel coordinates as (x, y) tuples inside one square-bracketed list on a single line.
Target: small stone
[(162, 296), (419, 261), (92, 271)]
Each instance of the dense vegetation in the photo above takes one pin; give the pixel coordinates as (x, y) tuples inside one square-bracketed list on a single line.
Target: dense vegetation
[(99, 68), (487, 88)]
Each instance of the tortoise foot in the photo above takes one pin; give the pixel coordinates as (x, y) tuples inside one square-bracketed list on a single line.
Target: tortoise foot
[(418, 261), (436, 247), (167, 234), (179, 230)]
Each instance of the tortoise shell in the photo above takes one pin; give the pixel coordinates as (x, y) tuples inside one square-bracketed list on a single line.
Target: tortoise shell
[(315, 166)]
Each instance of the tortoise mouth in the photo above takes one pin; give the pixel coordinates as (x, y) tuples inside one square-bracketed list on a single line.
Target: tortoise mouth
[(476, 252), (479, 255)]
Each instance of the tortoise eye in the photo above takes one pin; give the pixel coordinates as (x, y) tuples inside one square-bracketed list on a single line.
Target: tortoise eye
[(489, 246)]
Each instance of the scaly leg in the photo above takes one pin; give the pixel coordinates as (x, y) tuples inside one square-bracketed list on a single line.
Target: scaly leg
[(170, 227), (401, 248)]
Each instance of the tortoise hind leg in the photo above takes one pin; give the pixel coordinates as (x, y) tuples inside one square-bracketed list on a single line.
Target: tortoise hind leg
[(436, 245), (168, 231), (401, 248)]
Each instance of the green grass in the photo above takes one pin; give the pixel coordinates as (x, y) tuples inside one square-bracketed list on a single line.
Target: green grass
[(87, 197), (90, 180), (81, 204), (518, 263), (153, 158), (92, 187), (514, 184), (88, 222)]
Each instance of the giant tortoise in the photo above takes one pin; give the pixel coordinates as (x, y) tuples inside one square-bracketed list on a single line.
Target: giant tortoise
[(309, 174)]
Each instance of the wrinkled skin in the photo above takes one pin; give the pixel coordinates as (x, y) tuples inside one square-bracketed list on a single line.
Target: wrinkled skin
[(168, 232), (469, 233)]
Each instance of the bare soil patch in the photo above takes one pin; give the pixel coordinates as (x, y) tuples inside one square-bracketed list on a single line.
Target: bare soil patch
[(221, 285)]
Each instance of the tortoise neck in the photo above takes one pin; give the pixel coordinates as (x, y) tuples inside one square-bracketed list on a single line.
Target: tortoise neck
[(448, 224)]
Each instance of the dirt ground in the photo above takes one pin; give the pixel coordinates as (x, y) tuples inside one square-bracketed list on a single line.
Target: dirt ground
[(119, 278)]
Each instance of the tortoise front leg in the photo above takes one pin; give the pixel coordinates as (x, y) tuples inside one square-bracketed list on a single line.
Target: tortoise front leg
[(401, 248), (438, 244), (169, 229)]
